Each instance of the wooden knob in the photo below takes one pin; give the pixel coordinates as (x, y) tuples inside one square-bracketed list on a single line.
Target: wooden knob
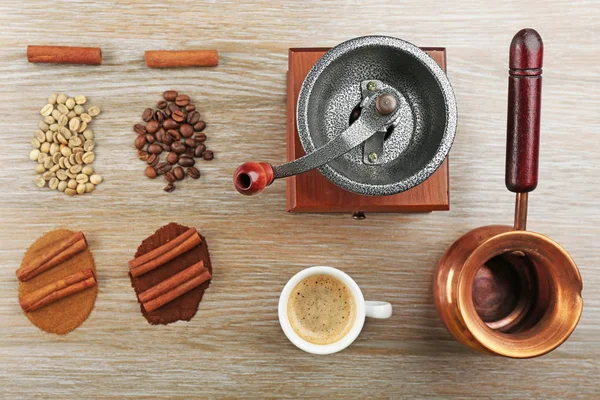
[(386, 104), (526, 50), (252, 177), (523, 116)]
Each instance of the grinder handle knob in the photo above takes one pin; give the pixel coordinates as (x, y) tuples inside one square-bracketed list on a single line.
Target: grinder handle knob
[(523, 116), (252, 177)]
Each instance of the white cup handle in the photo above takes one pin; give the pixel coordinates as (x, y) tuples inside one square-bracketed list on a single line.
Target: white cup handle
[(378, 309)]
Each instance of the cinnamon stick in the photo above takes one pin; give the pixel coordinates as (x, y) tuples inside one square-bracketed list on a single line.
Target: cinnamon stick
[(172, 282), (180, 283), (57, 290), (63, 251), (144, 258), (64, 55), (181, 58), (165, 253)]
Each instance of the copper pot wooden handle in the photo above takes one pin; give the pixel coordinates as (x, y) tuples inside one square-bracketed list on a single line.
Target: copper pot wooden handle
[(523, 117)]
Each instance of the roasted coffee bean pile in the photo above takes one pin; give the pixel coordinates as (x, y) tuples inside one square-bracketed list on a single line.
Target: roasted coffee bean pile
[(175, 130)]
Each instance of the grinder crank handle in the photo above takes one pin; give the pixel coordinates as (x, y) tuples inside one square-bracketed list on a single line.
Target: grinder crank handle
[(252, 177), (523, 117)]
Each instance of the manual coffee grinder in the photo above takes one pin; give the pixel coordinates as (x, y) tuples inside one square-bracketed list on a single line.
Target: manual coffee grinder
[(376, 116)]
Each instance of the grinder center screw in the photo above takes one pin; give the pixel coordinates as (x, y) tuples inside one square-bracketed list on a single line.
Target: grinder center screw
[(386, 104)]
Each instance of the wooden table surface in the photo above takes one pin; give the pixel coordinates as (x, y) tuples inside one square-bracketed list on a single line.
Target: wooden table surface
[(234, 346)]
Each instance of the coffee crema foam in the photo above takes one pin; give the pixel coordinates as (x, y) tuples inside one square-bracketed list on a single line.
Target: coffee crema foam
[(321, 309)]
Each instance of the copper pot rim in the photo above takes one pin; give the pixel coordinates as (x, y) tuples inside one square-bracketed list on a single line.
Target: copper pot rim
[(560, 319)]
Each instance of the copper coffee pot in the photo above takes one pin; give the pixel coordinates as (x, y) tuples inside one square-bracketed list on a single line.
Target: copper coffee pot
[(503, 290)]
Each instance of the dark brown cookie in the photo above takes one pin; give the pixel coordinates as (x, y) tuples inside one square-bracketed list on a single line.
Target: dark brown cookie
[(184, 307)]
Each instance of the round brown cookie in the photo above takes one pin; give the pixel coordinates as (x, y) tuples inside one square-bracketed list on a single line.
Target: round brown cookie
[(66, 314), (184, 307)]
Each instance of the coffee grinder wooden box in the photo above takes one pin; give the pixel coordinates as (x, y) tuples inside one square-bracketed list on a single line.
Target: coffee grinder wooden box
[(312, 192)]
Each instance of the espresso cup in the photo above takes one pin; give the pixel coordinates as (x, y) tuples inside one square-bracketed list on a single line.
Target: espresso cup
[(362, 309)]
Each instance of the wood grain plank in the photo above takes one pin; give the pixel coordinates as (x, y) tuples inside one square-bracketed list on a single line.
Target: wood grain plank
[(234, 346)]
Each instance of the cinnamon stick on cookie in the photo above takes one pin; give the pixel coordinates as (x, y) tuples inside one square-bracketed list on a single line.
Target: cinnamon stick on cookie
[(58, 253), (55, 291), (175, 286), (165, 253)]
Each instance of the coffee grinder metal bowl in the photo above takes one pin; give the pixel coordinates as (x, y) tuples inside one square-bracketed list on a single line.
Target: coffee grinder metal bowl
[(376, 115)]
